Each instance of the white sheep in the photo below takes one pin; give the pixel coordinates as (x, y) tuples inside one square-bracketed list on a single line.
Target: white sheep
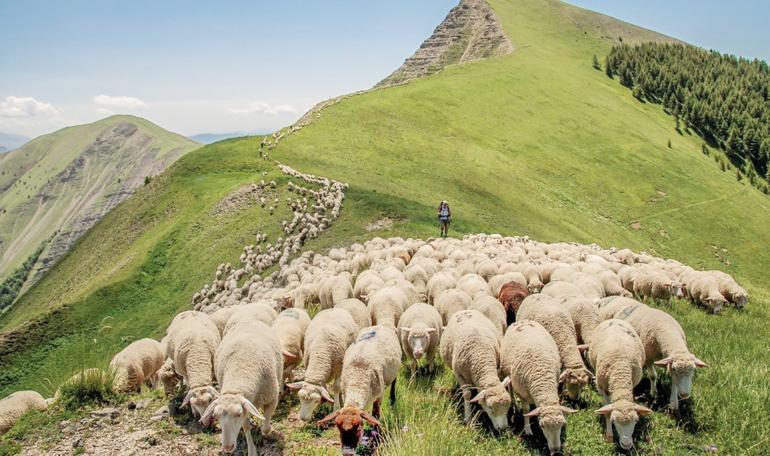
[(335, 289), (492, 309), (221, 316), (704, 289), (358, 311), (730, 289), (291, 325), (656, 285), (617, 356), (556, 319), (328, 336), (665, 344), (419, 329), (470, 346), (249, 370), (561, 289), (250, 312), (438, 283), (191, 341), (371, 364), (17, 405), (448, 302), (386, 305), (137, 364), (584, 317), (530, 358)]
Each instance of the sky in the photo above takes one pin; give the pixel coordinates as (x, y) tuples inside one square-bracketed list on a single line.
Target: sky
[(201, 67)]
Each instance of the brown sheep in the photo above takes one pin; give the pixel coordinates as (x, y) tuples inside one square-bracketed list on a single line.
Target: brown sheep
[(511, 295)]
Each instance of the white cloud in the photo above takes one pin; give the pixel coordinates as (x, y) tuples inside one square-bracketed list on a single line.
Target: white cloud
[(260, 107), (26, 107), (105, 111), (118, 102)]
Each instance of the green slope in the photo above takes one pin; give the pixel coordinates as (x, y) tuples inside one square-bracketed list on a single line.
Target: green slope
[(64, 181), (537, 143)]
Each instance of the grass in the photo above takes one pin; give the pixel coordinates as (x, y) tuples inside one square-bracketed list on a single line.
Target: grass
[(536, 143)]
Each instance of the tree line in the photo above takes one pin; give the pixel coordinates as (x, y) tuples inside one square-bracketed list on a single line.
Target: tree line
[(722, 97)]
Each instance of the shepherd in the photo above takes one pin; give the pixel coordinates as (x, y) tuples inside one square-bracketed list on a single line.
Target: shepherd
[(444, 218)]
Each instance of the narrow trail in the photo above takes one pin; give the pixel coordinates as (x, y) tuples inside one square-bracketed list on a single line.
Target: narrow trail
[(689, 206)]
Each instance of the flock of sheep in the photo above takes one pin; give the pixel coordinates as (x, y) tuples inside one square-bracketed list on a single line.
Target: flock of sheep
[(507, 315)]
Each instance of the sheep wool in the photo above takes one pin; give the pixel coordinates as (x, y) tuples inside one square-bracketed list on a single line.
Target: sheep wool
[(358, 311), (419, 329), (136, 364), (17, 405), (291, 325)]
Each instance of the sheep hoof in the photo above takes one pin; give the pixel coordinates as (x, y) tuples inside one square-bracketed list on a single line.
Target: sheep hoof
[(528, 430)]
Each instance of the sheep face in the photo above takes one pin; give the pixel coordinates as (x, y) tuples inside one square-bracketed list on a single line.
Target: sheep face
[(496, 401), (232, 411), (534, 286), (551, 420), (310, 396), (715, 303), (681, 367), (677, 289), (419, 340), (740, 300), (199, 399), (574, 380), (624, 415), (349, 421)]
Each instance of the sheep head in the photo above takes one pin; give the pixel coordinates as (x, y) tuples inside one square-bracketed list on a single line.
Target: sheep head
[(199, 399), (310, 396), (349, 421), (551, 420), (495, 401), (681, 367), (418, 339), (574, 380), (624, 415), (232, 411)]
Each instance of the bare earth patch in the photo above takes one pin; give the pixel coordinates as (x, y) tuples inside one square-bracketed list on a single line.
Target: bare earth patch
[(240, 199), (380, 224), (636, 225)]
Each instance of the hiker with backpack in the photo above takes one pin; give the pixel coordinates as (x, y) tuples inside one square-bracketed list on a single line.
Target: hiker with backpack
[(444, 218)]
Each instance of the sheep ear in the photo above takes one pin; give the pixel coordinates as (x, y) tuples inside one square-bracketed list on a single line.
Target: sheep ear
[(606, 410), (214, 393), (642, 410), (327, 418), (533, 413), (325, 395), (370, 419), (187, 398), (582, 348), (478, 397), (249, 407), (295, 386), (430, 330), (506, 381), (567, 409), (563, 376), (698, 363), (206, 417), (404, 328), (288, 357), (664, 362)]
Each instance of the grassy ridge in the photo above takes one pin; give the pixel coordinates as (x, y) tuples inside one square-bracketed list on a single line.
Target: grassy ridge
[(535, 143)]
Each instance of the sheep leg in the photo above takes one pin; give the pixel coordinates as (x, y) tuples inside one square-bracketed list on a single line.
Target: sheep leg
[(267, 412), (527, 426), (608, 420), (393, 392), (249, 441), (376, 408), (337, 387), (467, 396), (431, 361), (674, 398), (413, 366), (653, 380)]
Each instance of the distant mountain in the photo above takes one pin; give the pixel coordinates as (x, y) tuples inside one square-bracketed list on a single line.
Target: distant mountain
[(57, 186), (10, 141), (208, 138)]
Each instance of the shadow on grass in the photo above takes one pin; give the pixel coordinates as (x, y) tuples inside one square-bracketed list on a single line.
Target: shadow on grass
[(684, 417)]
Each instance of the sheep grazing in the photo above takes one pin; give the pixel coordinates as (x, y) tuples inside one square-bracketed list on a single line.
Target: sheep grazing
[(136, 364), (617, 356), (250, 312), (191, 341), (221, 316), (451, 301), (655, 285), (665, 344), (704, 290), (249, 370), (730, 289), (168, 378), (556, 319), (438, 283), (511, 296), (17, 405), (371, 364), (530, 358), (386, 306), (584, 317), (328, 336), (290, 325), (492, 309), (470, 346), (335, 290), (419, 329), (358, 311)]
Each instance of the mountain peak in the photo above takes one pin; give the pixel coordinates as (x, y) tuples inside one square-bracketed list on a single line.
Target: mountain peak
[(471, 31)]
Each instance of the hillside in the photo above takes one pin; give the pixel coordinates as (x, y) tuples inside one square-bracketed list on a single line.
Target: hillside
[(56, 187), (535, 142), (9, 141)]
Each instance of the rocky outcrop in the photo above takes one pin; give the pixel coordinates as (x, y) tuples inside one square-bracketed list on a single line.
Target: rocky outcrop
[(471, 31)]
